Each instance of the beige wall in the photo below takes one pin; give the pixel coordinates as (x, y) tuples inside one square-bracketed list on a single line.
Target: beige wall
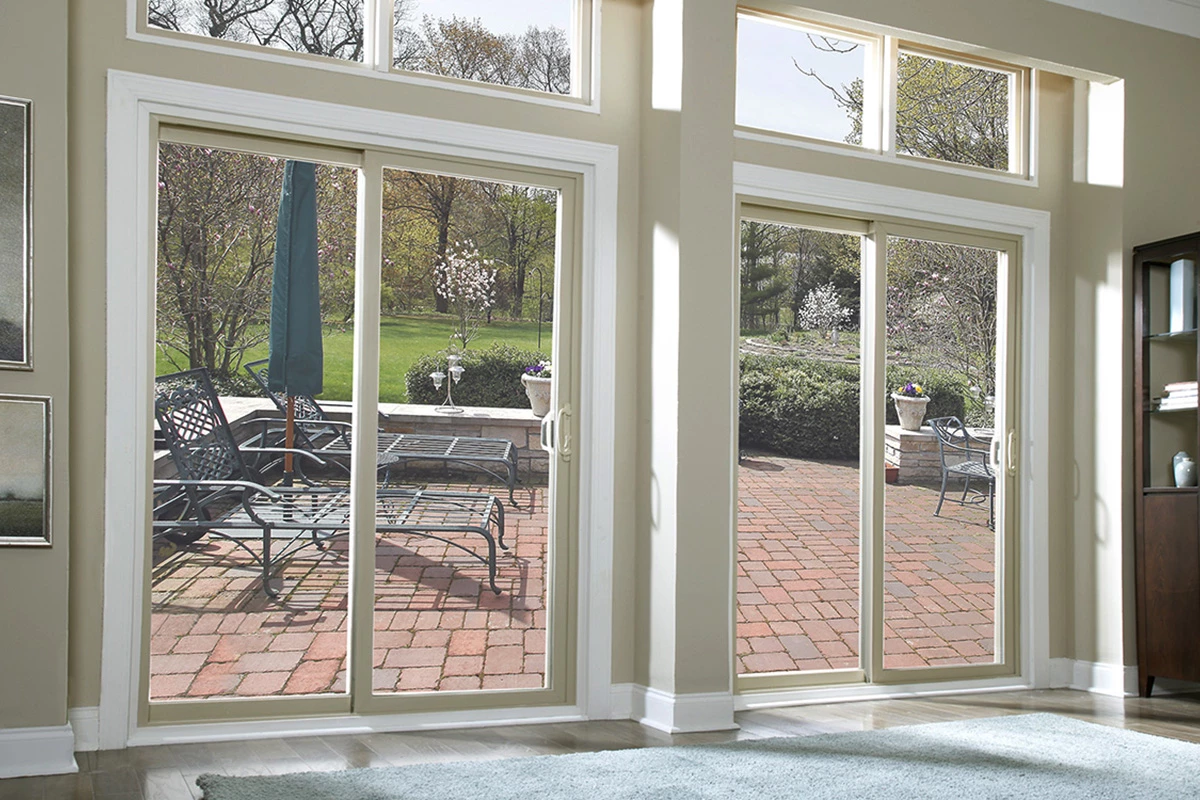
[(33, 582), (674, 171)]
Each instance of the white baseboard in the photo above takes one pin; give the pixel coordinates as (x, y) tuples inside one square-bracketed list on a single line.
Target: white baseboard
[(1115, 680), (620, 705), (37, 751), (681, 713), (85, 723)]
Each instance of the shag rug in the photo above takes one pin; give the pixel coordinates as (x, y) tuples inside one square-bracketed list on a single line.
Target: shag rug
[(1033, 755)]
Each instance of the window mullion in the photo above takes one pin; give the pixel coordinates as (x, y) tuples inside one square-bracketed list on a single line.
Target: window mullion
[(377, 35), (888, 88)]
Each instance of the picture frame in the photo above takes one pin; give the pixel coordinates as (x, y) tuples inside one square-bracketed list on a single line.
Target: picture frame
[(16, 234), (26, 474)]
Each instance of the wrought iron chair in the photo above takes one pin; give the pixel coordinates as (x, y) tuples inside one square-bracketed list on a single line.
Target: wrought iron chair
[(219, 493), (963, 456), (330, 439)]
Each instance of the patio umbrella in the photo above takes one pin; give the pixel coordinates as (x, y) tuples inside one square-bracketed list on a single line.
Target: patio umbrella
[(296, 358)]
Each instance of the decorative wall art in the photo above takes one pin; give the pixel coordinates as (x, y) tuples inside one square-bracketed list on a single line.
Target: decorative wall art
[(24, 470), (16, 215)]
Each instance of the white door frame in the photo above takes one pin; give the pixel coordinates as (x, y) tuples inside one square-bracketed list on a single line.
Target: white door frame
[(134, 101), (864, 200)]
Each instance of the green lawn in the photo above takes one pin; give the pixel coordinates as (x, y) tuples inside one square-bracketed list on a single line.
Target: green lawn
[(401, 341)]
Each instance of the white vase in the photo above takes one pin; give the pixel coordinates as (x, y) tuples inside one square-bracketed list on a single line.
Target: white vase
[(538, 391), (1185, 471), (910, 410)]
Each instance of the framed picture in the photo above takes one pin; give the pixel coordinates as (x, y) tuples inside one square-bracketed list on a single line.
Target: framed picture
[(16, 229), (25, 473)]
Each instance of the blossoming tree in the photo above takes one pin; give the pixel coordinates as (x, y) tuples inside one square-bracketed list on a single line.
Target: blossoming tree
[(466, 281)]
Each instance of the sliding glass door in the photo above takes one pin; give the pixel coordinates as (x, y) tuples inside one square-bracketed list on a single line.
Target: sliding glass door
[(395, 537), (876, 412)]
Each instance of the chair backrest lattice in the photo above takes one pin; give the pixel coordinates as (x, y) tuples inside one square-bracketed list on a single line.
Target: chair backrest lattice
[(195, 429), (305, 407), (956, 444)]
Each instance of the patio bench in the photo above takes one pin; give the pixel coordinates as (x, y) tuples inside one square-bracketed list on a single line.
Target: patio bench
[(318, 433), (218, 493)]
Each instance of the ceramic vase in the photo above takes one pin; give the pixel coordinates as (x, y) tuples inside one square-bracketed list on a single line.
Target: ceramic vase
[(910, 410), (538, 391)]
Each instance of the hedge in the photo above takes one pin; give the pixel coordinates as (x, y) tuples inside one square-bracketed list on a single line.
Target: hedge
[(809, 409), (492, 377)]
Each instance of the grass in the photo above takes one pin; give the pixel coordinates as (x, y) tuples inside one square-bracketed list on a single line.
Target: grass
[(402, 340), (21, 519)]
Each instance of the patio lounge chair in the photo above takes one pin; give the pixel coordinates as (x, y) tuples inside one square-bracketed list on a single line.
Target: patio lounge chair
[(330, 439), (963, 456), (220, 494)]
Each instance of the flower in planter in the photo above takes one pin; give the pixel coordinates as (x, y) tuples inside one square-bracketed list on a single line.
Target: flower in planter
[(539, 370), (911, 389)]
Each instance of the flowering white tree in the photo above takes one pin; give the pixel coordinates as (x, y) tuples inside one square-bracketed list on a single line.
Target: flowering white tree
[(467, 283), (822, 310)]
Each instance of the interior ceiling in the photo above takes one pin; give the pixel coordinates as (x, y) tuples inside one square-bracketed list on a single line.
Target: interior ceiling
[(1179, 16)]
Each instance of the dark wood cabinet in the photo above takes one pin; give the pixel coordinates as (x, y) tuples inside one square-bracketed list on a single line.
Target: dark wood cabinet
[(1167, 516)]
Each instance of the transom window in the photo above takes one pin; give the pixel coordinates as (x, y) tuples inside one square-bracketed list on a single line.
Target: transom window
[(537, 45), (875, 92)]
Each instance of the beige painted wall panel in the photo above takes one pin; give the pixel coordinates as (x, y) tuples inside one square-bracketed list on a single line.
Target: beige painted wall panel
[(33, 582), (1161, 198)]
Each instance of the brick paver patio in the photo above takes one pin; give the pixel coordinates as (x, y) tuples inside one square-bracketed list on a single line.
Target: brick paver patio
[(437, 626), (798, 572)]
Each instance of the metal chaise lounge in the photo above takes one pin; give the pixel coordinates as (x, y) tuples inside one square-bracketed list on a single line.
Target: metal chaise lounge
[(218, 493), (330, 439)]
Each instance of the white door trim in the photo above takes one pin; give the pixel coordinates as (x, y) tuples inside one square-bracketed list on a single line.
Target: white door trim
[(872, 200), (133, 102)]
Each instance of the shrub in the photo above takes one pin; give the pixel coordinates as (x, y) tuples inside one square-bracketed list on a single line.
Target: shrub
[(809, 409), (492, 377)]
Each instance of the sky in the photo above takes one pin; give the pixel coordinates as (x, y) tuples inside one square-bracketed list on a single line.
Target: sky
[(22, 449), (498, 16), (772, 94)]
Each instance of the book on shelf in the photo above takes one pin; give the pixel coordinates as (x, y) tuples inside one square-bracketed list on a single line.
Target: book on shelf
[(1182, 387)]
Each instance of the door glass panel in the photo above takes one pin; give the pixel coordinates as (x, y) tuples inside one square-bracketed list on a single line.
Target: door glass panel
[(215, 629), (468, 280), (941, 554), (798, 462)]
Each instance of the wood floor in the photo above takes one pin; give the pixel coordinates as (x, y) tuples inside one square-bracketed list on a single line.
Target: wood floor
[(169, 772)]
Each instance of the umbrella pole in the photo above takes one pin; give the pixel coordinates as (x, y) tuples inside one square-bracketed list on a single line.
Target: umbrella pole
[(289, 440)]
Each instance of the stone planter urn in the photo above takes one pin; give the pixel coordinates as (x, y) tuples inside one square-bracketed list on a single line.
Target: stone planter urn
[(910, 410), (538, 391)]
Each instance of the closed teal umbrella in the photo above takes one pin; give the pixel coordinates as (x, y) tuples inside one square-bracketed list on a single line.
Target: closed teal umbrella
[(296, 365)]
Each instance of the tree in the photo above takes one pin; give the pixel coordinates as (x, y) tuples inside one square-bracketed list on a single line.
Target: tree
[(331, 28), (761, 288), (942, 304), (947, 111), (525, 218), (822, 310), (466, 281), (216, 246), (546, 60)]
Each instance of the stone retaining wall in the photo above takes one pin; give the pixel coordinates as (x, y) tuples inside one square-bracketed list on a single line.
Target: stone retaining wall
[(916, 453), (518, 425)]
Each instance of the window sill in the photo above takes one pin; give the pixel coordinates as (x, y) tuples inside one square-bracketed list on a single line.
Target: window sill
[(783, 140)]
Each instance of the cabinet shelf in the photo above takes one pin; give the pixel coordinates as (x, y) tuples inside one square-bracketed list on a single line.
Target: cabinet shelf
[(1170, 490), (1157, 411), (1172, 336)]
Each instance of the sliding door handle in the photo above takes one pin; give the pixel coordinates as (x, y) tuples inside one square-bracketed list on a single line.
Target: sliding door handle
[(1010, 455)]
